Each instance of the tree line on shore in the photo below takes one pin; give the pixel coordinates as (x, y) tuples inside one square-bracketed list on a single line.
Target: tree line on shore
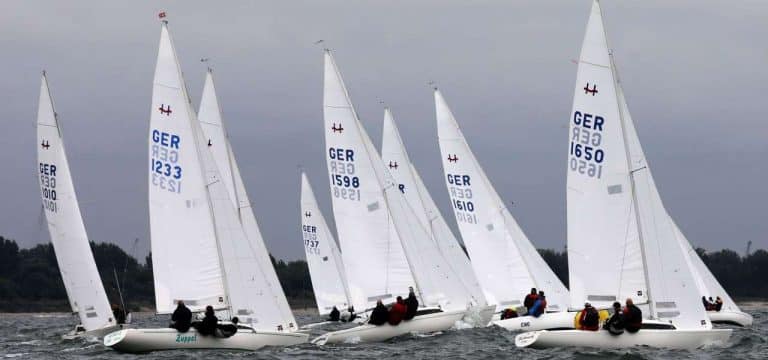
[(30, 280)]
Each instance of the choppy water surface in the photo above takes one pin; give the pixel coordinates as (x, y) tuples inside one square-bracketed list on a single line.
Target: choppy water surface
[(32, 336)]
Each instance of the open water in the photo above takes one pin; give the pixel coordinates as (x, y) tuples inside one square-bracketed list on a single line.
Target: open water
[(38, 336)]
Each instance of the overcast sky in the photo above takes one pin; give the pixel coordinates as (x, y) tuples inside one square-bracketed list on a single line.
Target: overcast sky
[(695, 75)]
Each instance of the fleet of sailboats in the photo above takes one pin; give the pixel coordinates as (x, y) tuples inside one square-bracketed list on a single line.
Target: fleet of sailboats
[(208, 250)]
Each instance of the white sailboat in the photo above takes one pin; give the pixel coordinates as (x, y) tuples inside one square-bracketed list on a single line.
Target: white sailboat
[(505, 261), (621, 241), (201, 253), (263, 289), (326, 268), (82, 283), (409, 183), (708, 285), (375, 222)]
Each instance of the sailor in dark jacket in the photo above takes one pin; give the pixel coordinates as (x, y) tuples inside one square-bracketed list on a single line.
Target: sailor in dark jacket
[(412, 303), (208, 326), (334, 315), (182, 317), (379, 315), (633, 317)]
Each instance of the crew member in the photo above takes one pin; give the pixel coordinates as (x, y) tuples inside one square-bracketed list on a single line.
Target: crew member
[(718, 304), (181, 317), (334, 315), (208, 326), (508, 313), (707, 305), (530, 299), (119, 314), (397, 312), (615, 325), (412, 303), (633, 317), (379, 315), (539, 305), (589, 319)]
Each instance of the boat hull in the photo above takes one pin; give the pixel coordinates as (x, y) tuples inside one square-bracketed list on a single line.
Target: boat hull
[(147, 340), (96, 333), (428, 323), (730, 317), (667, 339), (547, 321)]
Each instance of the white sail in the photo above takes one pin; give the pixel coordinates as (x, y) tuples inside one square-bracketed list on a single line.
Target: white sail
[(706, 283), (602, 229), (254, 277), (608, 174), (373, 255), (505, 261), (65, 224), (326, 268), (409, 183), (185, 259)]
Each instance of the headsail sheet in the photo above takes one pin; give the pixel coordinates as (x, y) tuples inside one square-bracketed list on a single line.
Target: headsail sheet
[(65, 224), (326, 268)]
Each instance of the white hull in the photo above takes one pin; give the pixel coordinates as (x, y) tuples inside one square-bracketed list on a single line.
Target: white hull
[(730, 317), (547, 321), (667, 339), (420, 324), (96, 333), (146, 340)]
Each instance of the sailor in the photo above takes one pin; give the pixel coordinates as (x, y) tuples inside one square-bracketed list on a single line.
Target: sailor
[(615, 324), (707, 305), (530, 299), (379, 315), (334, 315), (181, 317), (589, 319), (397, 312), (227, 330), (718, 304), (508, 313), (119, 314), (349, 315), (539, 305), (412, 303), (208, 326), (633, 317)]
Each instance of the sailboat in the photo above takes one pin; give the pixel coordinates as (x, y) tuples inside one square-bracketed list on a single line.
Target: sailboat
[(82, 283), (504, 259), (326, 268), (409, 183), (616, 219), (201, 252), (380, 236), (707, 284)]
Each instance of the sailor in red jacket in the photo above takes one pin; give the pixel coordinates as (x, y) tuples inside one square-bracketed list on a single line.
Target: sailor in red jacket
[(397, 312)]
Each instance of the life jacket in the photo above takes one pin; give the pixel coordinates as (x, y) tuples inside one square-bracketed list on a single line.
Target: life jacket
[(396, 313), (590, 319)]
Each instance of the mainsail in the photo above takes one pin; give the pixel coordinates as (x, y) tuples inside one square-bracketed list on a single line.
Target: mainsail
[(329, 281), (65, 224), (256, 277), (375, 263), (505, 261), (409, 183), (615, 214)]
